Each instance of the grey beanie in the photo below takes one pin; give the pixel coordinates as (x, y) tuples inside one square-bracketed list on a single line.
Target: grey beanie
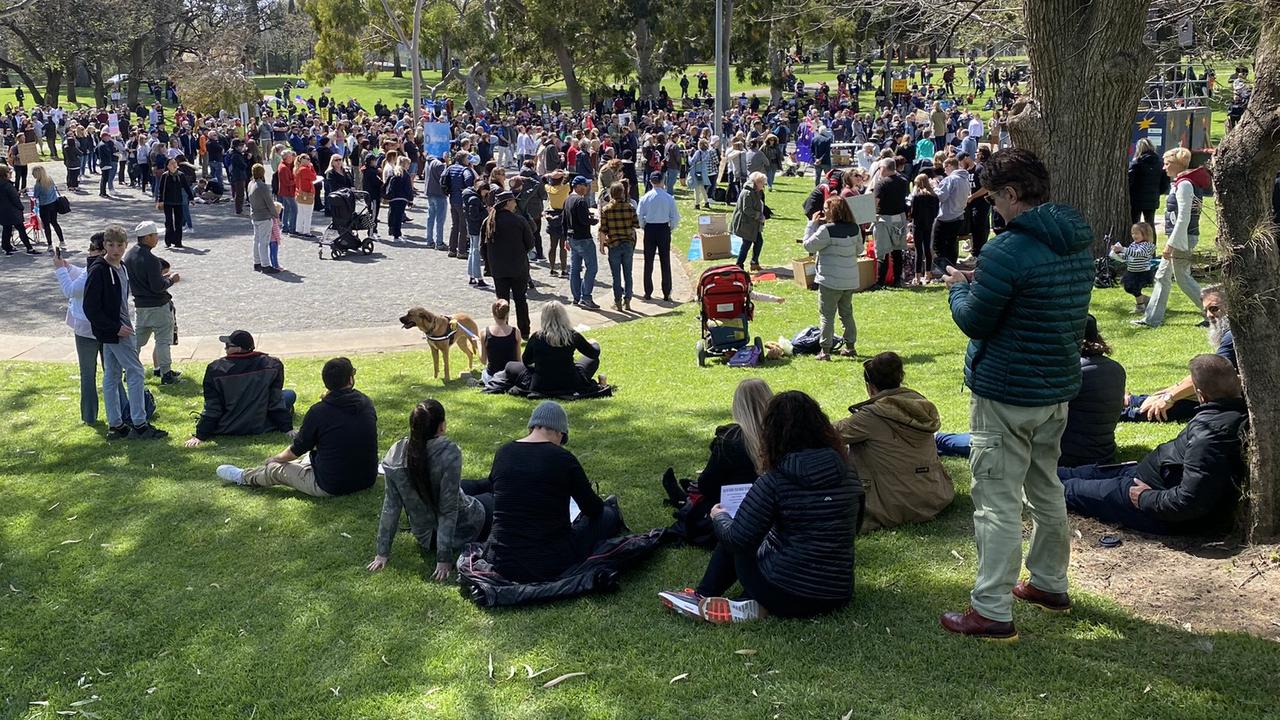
[(549, 415)]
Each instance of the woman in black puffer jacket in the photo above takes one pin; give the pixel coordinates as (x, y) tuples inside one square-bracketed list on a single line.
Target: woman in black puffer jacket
[(790, 544), (1090, 437), (1147, 182)]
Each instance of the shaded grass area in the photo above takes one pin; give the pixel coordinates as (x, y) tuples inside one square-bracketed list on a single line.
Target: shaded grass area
[(174, 596)]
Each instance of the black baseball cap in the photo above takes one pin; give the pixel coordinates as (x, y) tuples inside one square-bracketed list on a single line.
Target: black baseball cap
[(240, 338)]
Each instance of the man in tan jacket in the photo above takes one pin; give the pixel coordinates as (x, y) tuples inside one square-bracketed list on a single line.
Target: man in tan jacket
[(891, 445)]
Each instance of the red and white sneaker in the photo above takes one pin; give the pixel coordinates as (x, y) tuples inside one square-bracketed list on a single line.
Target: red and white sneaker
[(684, 602), (722, 610)]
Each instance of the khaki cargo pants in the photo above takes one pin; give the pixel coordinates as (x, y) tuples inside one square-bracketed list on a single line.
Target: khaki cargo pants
[(298, 475), (1014, 460)]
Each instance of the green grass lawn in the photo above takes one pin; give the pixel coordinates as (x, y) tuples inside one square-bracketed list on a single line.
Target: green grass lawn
[(130, 574)]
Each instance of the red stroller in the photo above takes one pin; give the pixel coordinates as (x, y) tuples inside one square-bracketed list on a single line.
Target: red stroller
[(724, 294)]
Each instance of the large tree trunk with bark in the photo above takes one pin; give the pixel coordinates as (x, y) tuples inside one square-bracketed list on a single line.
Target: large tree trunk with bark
[(70, 70), (475, 82), (135, 72), (648, 77), (1088, 67), (1245, 166), (99, 87), (571, 85), (397, 68), (52, 85), (776, 65)]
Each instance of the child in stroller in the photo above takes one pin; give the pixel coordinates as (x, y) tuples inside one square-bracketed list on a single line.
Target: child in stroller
[(351, 212)]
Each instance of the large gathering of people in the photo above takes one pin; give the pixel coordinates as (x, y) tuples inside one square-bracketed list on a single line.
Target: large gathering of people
[(520, 185)]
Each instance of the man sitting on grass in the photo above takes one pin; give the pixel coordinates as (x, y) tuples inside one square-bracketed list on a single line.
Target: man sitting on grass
[(243, 393), (335, 451), (1188, 485), (1177, 402)]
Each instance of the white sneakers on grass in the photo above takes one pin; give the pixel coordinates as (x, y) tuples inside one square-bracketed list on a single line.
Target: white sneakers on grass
[(231, 474)]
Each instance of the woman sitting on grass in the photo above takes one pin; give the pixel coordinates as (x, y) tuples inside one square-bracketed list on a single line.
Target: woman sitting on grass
[(548, 367), (424, 479), (790, 543), (735, 453)]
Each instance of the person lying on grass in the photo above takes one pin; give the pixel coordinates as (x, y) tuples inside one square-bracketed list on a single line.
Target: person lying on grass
[(790, 543), (336, 449), (1189, 485), (1177, 403), (735, 452), (533, 479), (424, 480)]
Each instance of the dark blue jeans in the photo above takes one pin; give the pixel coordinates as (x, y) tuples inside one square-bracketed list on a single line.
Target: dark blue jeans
[(1182, 410), (1102, 492)]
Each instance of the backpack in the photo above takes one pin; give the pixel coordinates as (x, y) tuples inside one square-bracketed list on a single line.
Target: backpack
[(809, 341)]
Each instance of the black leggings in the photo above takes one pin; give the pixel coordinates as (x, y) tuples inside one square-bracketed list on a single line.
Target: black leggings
[(727, 567), (20, 177), (922, 236), (49, 221), (6, 239), (946, 239)]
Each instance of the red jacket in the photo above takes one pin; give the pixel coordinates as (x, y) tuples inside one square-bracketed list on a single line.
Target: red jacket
[(286, 186)]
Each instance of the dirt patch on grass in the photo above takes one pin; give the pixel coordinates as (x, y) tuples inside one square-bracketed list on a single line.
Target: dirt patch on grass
[(1195, 584)]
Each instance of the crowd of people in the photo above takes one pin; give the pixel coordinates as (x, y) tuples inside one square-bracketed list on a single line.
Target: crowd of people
[(1045, 396)]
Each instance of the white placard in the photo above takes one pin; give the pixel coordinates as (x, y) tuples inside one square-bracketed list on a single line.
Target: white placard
[(863, 208), (574, 512), (731, 497)]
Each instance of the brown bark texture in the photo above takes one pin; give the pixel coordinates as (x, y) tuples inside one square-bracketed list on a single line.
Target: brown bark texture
[(1244, 170), (1088, 67)]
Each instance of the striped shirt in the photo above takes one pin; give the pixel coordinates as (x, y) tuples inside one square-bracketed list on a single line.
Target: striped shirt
[(1136, 257)]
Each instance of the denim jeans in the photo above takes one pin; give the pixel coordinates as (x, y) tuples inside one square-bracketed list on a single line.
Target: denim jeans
[(672, 175), (620, 256), (122, 357), (87, 350), (217, 168), (1102, 492), (581, 284), (107, 182), (1177, 268), (437, 210), (289, 216), (473, 258)]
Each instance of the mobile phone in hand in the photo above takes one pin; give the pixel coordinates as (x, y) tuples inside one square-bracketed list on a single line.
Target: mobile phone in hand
[(942, 266), (57, 252)]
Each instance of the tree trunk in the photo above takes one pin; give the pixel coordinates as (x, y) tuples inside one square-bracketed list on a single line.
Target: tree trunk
[(831, 56), (571, 85), (397, 69), (52, 85), (70, 70), (99, 87), (476, 83), (776, 65), (37, 95), (933, 53), (135, 72), (1245, 165), (1088, 67), (646, 75)]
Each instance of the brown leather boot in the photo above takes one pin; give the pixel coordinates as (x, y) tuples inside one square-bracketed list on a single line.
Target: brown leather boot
[(972, 624), (1052, 602)]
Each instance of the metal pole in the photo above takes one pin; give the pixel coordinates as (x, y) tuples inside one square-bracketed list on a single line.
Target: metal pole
[(721, 72)]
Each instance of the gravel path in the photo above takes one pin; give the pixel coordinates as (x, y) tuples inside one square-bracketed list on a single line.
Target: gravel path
[(220, 291)]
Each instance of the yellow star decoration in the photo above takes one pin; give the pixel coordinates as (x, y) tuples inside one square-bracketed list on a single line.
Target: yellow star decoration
[(1146, 123)]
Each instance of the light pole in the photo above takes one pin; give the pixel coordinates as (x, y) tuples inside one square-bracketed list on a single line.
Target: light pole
[(722, 72)]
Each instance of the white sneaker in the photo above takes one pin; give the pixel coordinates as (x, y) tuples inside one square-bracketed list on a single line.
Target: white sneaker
[(231, 474)]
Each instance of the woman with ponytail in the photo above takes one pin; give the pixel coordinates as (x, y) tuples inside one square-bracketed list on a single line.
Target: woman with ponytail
[(424, 479)]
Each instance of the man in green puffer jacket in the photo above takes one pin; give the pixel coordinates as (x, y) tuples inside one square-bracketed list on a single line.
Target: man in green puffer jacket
[(1024, 310)]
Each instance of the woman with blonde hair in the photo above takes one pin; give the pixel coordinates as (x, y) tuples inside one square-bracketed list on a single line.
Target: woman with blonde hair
[(699, 177), (837, 242), (547, 365), (734, 460), (47, 196), (399, 193)]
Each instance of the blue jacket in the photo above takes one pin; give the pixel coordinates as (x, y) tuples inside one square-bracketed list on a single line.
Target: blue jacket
[(1025, 309)]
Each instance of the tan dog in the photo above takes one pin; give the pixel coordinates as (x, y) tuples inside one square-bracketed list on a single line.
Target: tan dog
[(443, 332)]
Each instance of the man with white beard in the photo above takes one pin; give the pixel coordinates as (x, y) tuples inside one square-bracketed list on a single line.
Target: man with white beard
[(1177, 403)]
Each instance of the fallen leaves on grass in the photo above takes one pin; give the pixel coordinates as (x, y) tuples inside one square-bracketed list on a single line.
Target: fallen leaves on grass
[(744, 651), (345, 535), (957, 556), (562, 678), (531, 674), (678, 678), (384, 661), (490, 666), (847, 715)]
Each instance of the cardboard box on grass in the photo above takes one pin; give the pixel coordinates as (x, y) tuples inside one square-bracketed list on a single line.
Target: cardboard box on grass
[(804, 271), (866, 273), (714, 231)]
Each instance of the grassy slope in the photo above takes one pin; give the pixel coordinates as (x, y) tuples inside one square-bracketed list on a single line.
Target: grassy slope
[(236, 603)]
